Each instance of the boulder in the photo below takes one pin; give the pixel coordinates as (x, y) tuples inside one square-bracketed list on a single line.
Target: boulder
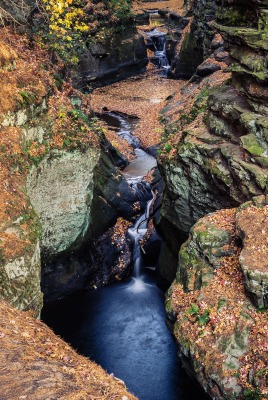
[(207, 68), (61, 191), (219, 332)]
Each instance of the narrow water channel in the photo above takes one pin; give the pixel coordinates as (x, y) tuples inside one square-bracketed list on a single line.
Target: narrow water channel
[(122, 326)]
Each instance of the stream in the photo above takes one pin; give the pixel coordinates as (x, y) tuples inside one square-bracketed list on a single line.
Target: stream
[(122, 326)]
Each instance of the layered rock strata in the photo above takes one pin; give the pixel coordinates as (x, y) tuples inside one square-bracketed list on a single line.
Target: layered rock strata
[(195, 45), (217, 152), (216, 157)]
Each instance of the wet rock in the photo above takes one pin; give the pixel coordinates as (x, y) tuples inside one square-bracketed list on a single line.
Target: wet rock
[(117, 158), (151, 249), (65, 274), (112, 250)]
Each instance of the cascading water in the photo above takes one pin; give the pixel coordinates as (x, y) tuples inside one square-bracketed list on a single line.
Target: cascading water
[(137, 233), (122, 326), (156, 40), (134, 174)]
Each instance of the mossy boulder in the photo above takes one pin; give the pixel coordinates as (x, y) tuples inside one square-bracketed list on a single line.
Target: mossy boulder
[(217, 328)]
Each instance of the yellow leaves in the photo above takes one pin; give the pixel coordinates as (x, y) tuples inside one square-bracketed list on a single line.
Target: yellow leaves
[(64, 16)]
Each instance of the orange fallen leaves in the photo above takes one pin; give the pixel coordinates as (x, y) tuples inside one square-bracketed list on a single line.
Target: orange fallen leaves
[(142, 96), (231, 314)]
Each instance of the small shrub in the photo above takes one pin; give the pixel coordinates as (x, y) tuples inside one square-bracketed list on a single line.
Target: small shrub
[(204, 318), (167, 148), (194, 309)]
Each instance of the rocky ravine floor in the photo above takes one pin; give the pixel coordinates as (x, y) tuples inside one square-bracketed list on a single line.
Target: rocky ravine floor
[(142, 96)]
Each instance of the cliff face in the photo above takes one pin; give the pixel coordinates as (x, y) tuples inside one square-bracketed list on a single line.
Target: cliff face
[(59, 189), (20, 229), (195, 45), (215, 157), (217, 152), (115, 58), (61, 192), (51, 198)]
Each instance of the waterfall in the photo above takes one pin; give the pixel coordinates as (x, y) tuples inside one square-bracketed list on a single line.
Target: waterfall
[(156, 40), (137, 233), (134, 174)]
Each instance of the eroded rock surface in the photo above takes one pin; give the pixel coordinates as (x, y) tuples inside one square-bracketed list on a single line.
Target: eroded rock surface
[(120, 56), (220, 334), (195, 45), (215, 154), (61, 191)]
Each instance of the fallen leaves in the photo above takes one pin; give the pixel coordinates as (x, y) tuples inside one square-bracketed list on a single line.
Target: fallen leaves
[(142, 96), (232, 318), (38, 355)]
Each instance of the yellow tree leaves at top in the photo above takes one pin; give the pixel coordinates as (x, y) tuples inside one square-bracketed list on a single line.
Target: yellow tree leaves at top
[(67, 22), (65, 17), (72, 24)]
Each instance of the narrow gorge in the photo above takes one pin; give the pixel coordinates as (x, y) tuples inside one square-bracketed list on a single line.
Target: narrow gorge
[(133, 165)]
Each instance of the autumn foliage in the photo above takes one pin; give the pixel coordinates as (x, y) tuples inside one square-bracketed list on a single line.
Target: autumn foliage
[(69, 25)]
